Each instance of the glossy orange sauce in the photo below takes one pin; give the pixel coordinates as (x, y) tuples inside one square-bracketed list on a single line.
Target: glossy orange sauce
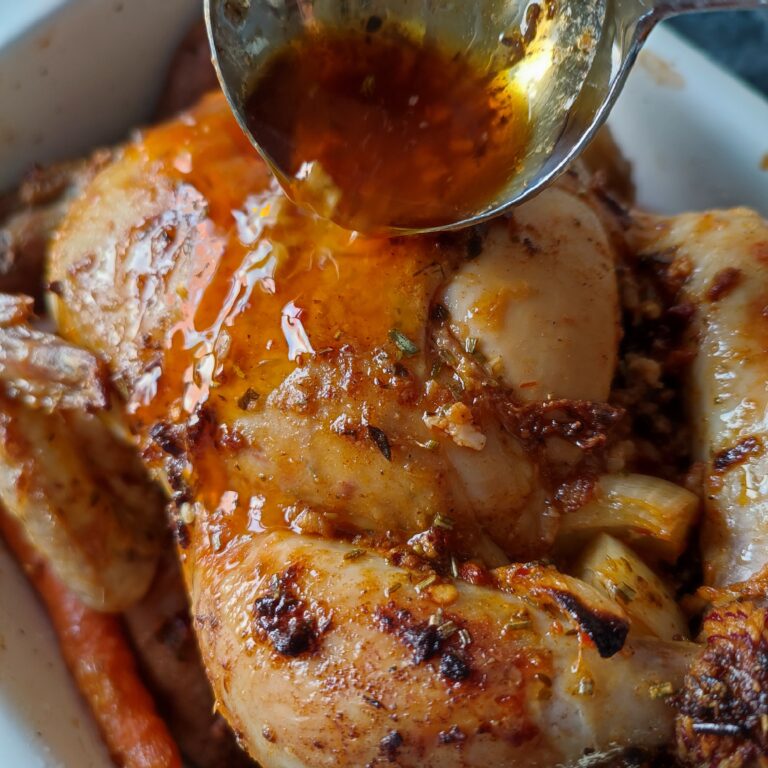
[(270, 288), (406, 134)]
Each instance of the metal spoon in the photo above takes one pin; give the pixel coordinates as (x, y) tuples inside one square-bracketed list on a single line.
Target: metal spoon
[(573, 68)]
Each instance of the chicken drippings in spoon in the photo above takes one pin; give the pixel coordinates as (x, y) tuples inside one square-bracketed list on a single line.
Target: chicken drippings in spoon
[(379, 131)]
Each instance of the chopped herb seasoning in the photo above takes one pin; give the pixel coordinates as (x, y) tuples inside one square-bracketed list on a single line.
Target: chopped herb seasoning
[(403, 343), (737, 454), (718, 729), (448, 357), (446, 629), (392, 588), (428, 582), (400, 370), (453, 667), (456, 388), (452, 735), (389, 745), (470, 345), (437, 366), (454, 568), (443, 522), (519, 621), (248, 400), (661, 691), (465, 638), (354, 554), (436, 618), (381, 441), (586, 686), (430, 445), (625, 593)]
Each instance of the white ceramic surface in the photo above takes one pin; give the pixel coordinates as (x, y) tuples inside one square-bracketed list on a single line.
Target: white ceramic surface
[(86, 71), (78, 73), (696, 135)]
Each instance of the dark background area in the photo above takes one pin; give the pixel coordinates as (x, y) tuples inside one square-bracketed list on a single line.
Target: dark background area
[(736, 39)]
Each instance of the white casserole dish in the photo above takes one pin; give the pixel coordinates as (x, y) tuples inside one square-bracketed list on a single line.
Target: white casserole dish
[(78, 73)]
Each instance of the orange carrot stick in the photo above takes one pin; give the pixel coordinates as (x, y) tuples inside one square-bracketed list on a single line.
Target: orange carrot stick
[(98, 656)]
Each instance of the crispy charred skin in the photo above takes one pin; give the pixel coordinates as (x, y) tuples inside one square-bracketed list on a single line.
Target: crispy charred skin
[(351, 472), (724, 702)]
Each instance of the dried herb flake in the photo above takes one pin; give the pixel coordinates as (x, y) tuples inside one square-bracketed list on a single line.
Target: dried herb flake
[(661, 691), (248, 400), (403, 343), (381, 441)]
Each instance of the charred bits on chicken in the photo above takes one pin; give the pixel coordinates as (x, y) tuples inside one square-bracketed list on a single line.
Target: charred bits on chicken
[(606, 631), (291, 625), (723, 704), (427, 640)]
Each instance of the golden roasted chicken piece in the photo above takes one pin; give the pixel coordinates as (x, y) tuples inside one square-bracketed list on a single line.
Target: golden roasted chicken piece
[(80, 494), (359, 436), (718, 263)]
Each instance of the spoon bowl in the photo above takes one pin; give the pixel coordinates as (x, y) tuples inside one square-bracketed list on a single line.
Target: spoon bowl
[(569, 58)]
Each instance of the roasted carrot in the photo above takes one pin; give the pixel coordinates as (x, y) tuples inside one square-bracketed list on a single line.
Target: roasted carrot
[(97, 653)]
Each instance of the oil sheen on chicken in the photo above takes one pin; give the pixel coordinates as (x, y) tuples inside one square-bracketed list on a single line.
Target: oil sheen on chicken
[(359, 438)]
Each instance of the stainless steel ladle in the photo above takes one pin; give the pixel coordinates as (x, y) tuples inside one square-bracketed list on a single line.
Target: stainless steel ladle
[(572, 71)]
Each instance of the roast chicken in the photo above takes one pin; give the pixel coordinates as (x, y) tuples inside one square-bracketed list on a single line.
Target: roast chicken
[(428, 493)]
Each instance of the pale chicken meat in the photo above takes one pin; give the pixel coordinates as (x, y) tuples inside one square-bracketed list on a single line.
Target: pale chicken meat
[(523, 299), (358, 436), (720, 262)]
